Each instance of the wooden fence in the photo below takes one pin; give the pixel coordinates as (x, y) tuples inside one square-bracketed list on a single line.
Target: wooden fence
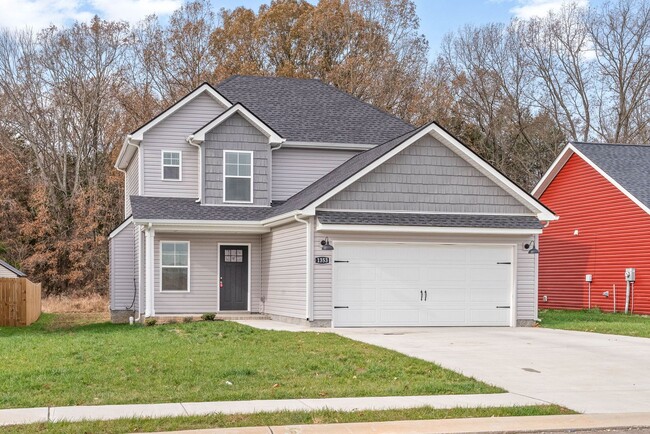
[(20, 301)]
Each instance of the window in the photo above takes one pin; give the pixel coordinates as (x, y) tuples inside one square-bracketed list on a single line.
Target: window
[(238, 176), (175, 266), (171, 165), (234, 255)]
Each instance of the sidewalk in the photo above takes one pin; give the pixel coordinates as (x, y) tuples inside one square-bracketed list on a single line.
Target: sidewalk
[(108, 412), (516, 424)]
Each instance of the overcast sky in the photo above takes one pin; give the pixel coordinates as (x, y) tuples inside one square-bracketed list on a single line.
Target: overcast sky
[(437, 16)]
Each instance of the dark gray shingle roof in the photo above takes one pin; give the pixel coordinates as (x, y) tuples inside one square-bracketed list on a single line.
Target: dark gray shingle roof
[(14, 270), (629, 165), (174, 208), (312, 111), (437, 220)]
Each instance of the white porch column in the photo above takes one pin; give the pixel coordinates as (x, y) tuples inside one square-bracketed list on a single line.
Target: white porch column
[(149, 272)]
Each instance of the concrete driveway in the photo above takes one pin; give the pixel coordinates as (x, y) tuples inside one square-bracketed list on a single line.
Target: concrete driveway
[(587, 372)]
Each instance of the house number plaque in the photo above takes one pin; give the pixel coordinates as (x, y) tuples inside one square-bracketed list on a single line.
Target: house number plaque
[(322, 260)]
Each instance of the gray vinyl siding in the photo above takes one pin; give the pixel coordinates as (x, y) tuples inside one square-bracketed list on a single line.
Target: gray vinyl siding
[(4, 273), (295, 168), (427, 177), (236, 134), (204, 288), (123, 268), (170, 135), (131, 183), (525, 273), (284, 270)]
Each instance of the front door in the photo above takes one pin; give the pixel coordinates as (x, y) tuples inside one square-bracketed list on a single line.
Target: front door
[(233, 279)]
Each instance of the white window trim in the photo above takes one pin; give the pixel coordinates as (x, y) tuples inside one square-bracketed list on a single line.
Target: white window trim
[(163, 165), (225, 151), (160, 270)]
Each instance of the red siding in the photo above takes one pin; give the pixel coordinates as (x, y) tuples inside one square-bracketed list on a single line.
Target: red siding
[(613, 234)]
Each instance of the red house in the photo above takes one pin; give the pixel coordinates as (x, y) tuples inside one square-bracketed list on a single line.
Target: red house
[(601, 193)]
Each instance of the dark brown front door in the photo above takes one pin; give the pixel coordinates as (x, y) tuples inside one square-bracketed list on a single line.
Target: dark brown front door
[(233, 281)]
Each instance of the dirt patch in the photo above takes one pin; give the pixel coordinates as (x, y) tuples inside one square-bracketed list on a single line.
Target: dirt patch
[(88, 303)]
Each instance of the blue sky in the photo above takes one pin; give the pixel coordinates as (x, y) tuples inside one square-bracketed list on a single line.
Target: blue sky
[(437, 16)]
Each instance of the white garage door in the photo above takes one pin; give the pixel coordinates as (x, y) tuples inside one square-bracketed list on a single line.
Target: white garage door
[(396, 284)]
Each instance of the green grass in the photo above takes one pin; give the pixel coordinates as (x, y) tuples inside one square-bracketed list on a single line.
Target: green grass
[(596, 321), (58, 362), (277, 418)]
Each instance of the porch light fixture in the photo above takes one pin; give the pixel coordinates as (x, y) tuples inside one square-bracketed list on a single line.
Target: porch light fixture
[(531, 248), (326, 244)]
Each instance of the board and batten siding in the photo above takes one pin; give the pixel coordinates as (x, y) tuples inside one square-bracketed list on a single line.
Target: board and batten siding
[(236, 134), (170, 135), (427, 177), (295, 168), (204, 282), (525, 263), (284, 271), (131, 182), (123, 266)]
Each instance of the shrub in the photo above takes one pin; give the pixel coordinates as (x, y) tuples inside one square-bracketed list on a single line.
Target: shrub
[(208, 316), (188, 319), (150, 322)]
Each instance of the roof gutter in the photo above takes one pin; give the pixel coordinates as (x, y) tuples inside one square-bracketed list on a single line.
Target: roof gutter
[(128, 141)]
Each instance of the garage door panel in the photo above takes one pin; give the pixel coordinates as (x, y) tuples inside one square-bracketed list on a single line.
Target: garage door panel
[(463, 284)]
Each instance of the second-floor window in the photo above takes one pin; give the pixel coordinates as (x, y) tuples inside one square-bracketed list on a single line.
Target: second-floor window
[(238, 176), (171, 165)]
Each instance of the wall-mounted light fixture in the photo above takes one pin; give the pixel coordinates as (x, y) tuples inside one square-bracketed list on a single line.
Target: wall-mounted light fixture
[(326, 244), (531, 247)]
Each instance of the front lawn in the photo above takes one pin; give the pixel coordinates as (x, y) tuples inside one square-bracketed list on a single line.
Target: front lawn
[(596, 321), (277, 418), (57, 362)]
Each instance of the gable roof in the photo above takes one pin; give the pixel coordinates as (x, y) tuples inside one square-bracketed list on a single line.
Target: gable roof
[(199, 135), (625, 166), (318, 192), (136, 136), (307, 110), (16, 271)]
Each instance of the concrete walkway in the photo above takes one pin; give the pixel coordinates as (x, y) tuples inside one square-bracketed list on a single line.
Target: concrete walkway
[(453, 426), (108, 412)]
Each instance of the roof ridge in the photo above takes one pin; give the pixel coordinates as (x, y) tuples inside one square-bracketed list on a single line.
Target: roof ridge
[(349, 95), (642, 145)]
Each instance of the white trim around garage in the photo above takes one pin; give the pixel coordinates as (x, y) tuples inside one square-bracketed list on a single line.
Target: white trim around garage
[(423, 229)]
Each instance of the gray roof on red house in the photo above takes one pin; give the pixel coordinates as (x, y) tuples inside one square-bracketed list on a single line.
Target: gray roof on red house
[(308, 110), (628, 165)]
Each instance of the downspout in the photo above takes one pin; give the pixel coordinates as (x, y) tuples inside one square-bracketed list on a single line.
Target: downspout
[(190, 140), (310, 265), (139, 274), (149, 302)]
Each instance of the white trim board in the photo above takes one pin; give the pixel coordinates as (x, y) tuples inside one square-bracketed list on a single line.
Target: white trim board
[(120, 228), (445, 138), (422, 229), (562, 159), (138, 135)]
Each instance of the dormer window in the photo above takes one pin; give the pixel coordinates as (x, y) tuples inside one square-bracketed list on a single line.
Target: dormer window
[(171, 165), (238, 176)]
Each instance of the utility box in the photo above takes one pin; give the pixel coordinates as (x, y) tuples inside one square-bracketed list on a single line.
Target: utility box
[(589, 278), (630, 274)]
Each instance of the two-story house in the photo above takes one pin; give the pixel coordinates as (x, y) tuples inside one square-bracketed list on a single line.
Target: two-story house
[(291, 198)]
